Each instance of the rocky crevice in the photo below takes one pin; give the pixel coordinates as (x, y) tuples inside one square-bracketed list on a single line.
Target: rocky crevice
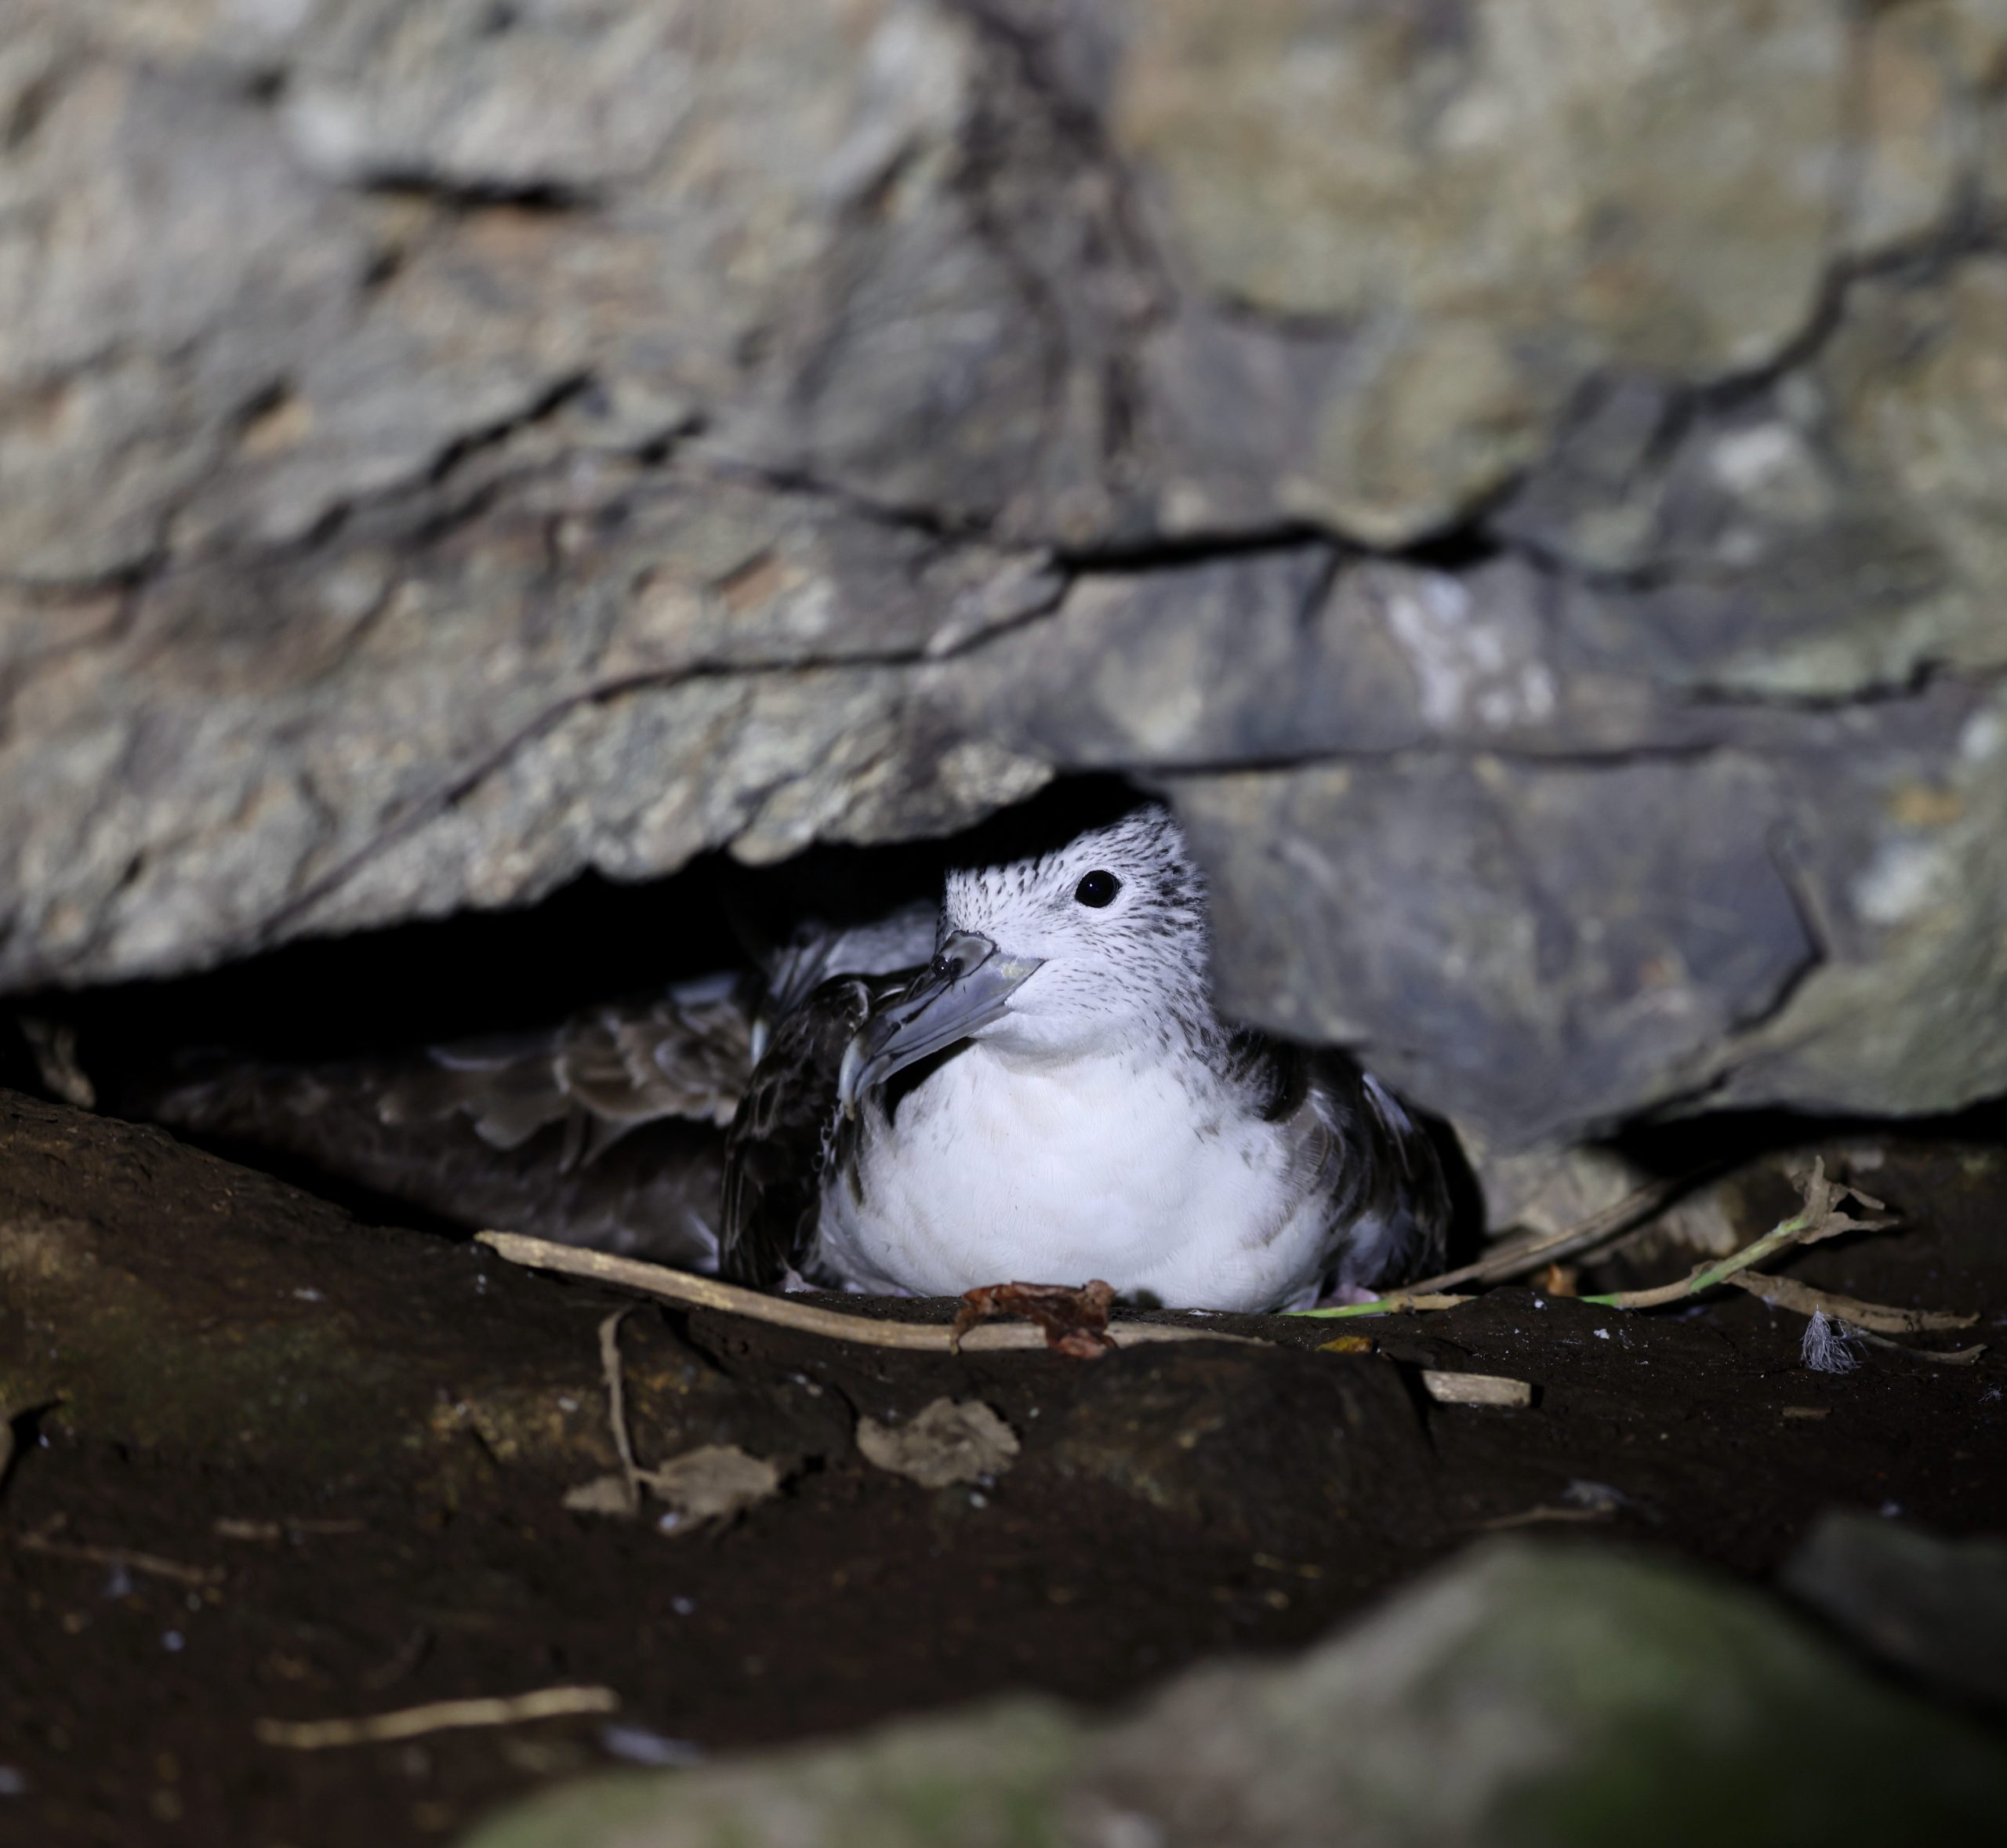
[(449, 459)]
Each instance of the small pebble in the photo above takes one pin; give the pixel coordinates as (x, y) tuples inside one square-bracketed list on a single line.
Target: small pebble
[(639, 1746), (173, 1642), (683, 1606), (12, 1782)]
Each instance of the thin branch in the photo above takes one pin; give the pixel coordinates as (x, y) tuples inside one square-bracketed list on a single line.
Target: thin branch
[(781, 1311), (1822, 1218), (1943, 1356), (1385, 1305), (1787, 1293), (1524, 1254), (616, 1403), (438, 1716), (152, 1565)]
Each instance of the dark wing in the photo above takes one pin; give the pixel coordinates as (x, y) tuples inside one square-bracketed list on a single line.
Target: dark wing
[(1391, 1187), (1390, 1205), (894, 944), (790, 1130)]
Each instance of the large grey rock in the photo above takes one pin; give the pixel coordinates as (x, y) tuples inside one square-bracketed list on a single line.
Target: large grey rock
[(1524, 1695), (1833, 535), (1934, 1609), (1649, 930), (1609, 991), (448, 448), (1498, 200)]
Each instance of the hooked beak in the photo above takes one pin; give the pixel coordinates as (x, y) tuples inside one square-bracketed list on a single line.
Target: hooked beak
[(963, 988)]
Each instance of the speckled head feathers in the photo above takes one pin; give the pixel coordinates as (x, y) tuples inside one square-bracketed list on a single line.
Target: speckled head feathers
[(1118, 916)]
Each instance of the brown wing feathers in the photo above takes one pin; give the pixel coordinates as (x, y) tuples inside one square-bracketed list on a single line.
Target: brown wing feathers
[(788, 1132)]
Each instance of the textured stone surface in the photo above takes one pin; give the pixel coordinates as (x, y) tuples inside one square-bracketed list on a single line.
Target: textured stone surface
[(1526, 1694), (1696, 924), (1607, 996), (448, 448), (1496, 200), (1936, 1610)]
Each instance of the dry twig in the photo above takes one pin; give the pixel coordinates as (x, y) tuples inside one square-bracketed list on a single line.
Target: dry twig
[(1787, 1293), (1823, 1216), (227, 1526), (1531, 1517), (1386, 1305), (41, 1541), (616, 1405), (1525, 1255), (782, 1312), (1943, 1356), (438, 1716)]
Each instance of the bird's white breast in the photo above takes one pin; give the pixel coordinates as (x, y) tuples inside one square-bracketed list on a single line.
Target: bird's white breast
[(1110, 1167)]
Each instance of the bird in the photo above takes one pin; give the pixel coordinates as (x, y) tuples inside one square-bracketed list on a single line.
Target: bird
[(1055, 1095)]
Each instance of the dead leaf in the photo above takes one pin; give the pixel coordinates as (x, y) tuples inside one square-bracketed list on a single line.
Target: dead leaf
[(1347, 1344), (603, 1494), (714, 1483), (1823, 1199), (1074, 1317), (950, 1441), (1559, 1279)]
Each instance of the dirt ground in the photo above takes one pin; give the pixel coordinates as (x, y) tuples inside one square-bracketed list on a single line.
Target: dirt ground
[(269, 1463)]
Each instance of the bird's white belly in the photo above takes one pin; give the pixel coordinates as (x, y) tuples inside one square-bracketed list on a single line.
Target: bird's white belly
[(1100, 1168)]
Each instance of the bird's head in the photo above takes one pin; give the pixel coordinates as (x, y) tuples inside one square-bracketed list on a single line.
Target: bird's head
[(1099, 944)]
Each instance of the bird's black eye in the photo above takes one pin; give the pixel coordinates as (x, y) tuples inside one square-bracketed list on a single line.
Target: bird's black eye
[(1097, 889)]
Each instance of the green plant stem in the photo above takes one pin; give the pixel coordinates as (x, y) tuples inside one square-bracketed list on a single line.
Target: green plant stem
[(1708, 1275)]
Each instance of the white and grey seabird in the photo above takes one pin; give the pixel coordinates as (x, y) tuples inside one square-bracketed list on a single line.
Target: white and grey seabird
[(1055, 1098)]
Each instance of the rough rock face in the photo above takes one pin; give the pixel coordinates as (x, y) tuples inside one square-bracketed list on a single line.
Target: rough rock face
[(1525, 1694), (448, 446)]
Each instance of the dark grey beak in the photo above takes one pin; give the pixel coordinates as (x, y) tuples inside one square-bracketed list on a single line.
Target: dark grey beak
[(963, 988)]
